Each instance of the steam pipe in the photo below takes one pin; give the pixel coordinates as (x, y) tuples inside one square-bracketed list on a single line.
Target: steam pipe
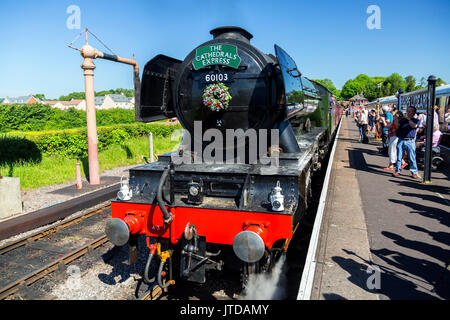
[(168, 283), (94, 53), (166, 215), (147, 267)]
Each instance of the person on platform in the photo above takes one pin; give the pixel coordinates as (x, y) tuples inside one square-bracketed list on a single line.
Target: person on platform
[(364, 122), (372, 120), (392, 138), (436, 138), (422, 120), (357, 120), (447, 117), (406, 134), (385, 120)]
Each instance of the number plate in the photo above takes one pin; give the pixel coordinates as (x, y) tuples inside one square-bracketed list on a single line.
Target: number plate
[(217, 77)]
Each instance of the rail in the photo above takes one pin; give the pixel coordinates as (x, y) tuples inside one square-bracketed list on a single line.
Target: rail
[(51, 267), (49, 230)]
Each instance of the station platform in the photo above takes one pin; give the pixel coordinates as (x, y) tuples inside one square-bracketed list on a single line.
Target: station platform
[(381, 237)]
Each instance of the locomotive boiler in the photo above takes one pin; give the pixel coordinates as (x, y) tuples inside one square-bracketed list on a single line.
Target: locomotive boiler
[(216, 202)]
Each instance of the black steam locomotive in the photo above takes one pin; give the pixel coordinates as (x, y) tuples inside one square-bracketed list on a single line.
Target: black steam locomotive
[(218, 202)]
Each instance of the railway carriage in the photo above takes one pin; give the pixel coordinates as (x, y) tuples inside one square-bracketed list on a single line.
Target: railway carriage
[(239, 205)]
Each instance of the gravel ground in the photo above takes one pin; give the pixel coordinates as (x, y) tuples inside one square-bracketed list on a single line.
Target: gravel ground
[(106, 275)]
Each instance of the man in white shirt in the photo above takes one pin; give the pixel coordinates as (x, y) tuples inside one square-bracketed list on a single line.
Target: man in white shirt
[(364, 121)]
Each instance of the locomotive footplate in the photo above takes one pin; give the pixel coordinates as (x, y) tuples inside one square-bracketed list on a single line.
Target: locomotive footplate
[(240, 187)]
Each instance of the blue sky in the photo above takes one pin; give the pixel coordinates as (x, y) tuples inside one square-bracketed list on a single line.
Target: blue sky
[(327, 38)]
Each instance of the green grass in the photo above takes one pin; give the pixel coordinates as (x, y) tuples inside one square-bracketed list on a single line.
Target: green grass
[(57, 169)]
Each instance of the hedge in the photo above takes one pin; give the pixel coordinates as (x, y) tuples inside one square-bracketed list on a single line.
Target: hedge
[(18, 150), (74, 142), (39, 117)]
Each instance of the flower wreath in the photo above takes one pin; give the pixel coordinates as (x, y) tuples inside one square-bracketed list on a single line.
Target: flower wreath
[(216, 96)]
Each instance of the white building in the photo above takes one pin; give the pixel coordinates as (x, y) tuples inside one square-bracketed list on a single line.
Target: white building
[(74, 103), (108, 101)]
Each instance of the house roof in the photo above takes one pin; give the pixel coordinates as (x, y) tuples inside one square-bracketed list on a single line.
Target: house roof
[(74, 101), (99, 100), (358, 97), (118, 97), (50, 102), (66, 103), (20, 100)]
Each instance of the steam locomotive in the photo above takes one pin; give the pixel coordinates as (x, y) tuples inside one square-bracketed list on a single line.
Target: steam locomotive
[(240, 205)]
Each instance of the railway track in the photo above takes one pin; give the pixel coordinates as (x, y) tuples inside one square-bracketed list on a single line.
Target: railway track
[(154, 294), (49, 230), (58, 245), (49, 245), (32, 277)]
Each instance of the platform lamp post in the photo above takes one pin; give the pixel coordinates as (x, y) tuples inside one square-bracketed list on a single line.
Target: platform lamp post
[(399, 96), (429, 131)]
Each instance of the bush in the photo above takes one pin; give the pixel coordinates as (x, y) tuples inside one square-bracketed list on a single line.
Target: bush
[(38, 117), (18, 150), (74, 142)]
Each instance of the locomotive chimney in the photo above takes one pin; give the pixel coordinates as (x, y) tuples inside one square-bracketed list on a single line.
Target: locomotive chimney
[(230, 32)]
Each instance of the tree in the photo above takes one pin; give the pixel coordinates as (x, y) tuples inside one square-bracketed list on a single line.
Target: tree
[(422, 84), (394, 82), (354, 86), (410, 83), (73, 95), (351, 88), (39, 96), (327, 83), (439, 82)]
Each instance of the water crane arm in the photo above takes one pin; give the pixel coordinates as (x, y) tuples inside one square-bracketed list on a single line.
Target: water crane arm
[(88, 51)]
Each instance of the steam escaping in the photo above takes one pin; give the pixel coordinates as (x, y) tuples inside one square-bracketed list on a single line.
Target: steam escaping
[(268, 286)]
